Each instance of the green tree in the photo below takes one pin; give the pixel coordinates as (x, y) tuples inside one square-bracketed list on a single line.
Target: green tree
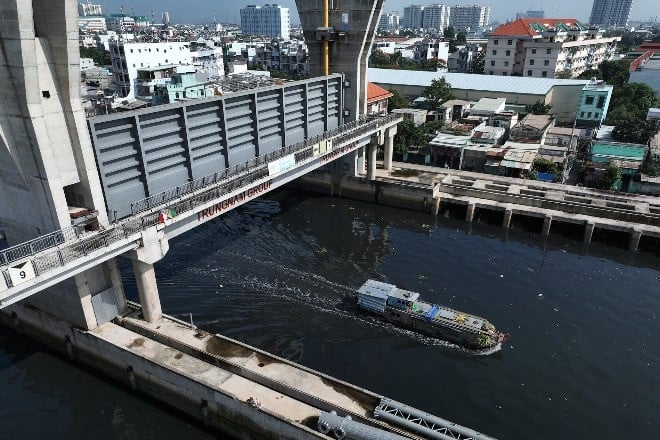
[(538, 108), (611, 177), (407, 135), (397, 100), (450, 33), (545, 166), (461, 37), (101, 58), (478, 62), (628, 128), (438, 92)]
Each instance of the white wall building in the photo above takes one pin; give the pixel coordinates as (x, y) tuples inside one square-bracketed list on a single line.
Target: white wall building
[(413, 17), (268, 21), (85, 9), (389, 22), (128, 57), (546, 47), (469, 18), (436, 18)]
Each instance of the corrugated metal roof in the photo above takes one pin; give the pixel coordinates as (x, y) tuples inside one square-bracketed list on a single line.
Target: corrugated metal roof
[(469, 81)]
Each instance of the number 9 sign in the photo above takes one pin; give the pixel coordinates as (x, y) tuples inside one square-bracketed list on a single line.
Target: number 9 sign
[(21, 272)]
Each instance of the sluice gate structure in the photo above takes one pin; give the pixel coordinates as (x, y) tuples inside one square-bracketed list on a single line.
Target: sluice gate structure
[(80, 193)]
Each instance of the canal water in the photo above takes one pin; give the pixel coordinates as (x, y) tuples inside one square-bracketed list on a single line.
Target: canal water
[(583, 360)]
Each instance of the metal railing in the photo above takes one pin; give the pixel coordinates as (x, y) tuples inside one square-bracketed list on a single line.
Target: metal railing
[(58, 248)]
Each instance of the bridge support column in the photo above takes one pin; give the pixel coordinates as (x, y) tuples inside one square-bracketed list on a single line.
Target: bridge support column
[(469, 214), (371, 161), (145, 276), (506, 222), (588, 232), (389, 148), (547, 222), (635, 237)]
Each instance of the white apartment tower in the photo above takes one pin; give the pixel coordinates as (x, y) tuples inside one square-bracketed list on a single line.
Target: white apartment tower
[(269, 21), (611, 13), (436, 17), (87, 9), (413, 17), (389, 22), (469, 18)]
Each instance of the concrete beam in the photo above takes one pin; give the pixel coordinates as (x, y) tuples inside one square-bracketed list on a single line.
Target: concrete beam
[(469, 213), (506, 222), (635, 237), (588, 232)]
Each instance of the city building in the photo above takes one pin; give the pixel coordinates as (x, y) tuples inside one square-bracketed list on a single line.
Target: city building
[(377, 99), (87, 9), (90, 18), (594, 102), (269, 21), (431, 48), (546, 48), (469, 18), (413, 17), (389, 22), (610, 13), (436, 18), (531, 14), (128, 57), (120, 23), (462, 60)]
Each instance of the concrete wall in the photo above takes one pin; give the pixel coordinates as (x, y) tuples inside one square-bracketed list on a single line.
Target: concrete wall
[(357, 20), (44, 145)]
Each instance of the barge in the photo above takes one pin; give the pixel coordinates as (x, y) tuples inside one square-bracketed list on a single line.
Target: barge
[(404, 308)]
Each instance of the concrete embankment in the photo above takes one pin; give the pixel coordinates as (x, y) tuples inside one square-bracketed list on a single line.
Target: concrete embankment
[(237, 389), (430, 190)]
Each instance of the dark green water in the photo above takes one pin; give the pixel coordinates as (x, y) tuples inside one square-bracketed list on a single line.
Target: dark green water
[(583, 360)]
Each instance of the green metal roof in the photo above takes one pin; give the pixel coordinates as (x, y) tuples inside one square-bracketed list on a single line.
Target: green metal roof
[(618, 151)]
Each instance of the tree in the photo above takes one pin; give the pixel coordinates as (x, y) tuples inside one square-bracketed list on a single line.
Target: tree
[(461, 37), (438, 92), (478, 62), (611, 177), (407, 135), (450, 33), (545, 166), (538, 108), (397, 100), (101, 58)]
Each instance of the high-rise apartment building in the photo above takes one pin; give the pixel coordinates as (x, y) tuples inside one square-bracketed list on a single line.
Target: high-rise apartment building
[(413, 17), (531, 14), (389, 22), (268, 21), (436, 17), (469, 18), (86, 9), (610, 13), (547, 47)]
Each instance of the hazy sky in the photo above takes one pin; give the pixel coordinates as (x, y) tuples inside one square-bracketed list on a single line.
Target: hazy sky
[(199, 11)]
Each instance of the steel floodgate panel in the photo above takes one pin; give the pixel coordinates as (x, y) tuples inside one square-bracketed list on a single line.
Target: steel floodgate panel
[(142, 153)]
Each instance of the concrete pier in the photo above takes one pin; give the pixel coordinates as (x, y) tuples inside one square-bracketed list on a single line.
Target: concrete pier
[(145, 277), (635, 237), (506, 221), (371, 161), (547, 223), (469, 213), (588, 232), (389, 147)]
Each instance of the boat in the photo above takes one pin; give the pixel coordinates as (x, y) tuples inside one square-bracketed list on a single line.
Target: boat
[(404, 309)]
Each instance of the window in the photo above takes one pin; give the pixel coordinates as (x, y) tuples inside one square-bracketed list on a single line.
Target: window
[(496, 42), (544, 74), (531, 62), (601, 102), (582, 114), (494, 52), (548, 51), (589, 100), (131, 50), (546, 62), (529, 73), (533, 50), (508, 53), (504, 73), (589, 115), (597, 115), (492, 63), (509, 42), (491, 72), (506, 64)]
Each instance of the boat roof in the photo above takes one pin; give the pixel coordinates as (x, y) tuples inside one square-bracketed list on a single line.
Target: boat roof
[(383, 290)]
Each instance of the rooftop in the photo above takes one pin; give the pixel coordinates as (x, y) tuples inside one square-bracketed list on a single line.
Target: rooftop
[(488, 105), (376, 93), (531, 27), (470, 81)]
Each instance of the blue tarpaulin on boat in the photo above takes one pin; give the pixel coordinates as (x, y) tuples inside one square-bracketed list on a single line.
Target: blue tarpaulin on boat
[(431, 313)]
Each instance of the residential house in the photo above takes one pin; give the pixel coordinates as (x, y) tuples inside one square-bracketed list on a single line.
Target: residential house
[(377, 99)]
